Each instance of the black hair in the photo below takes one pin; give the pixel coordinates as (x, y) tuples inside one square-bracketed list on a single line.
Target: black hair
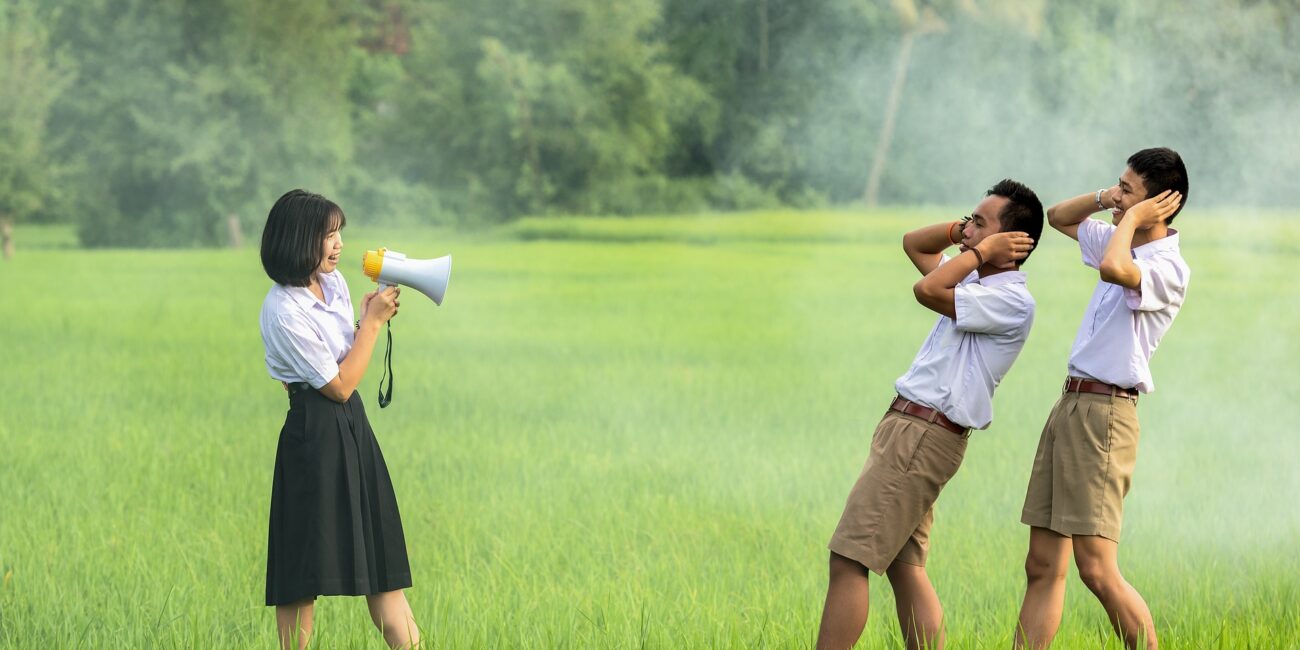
[(1161, 169), (1023, 211), (293, 240)]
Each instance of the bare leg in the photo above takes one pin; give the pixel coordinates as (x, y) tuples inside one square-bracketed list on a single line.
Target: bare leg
[(293, 622), (919, 613), (847, 601), (1098, 561), (1045, 568), (392, 615)]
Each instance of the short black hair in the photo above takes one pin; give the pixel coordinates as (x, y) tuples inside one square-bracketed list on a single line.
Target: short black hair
[(293, 240), (1023, 211), (1161, 169)]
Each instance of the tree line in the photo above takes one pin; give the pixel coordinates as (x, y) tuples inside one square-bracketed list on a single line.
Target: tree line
[(178, 122)]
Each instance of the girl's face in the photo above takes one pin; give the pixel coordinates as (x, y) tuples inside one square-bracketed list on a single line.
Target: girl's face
[(333, 246)]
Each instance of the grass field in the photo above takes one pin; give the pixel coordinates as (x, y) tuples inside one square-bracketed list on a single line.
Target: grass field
[(622, 434)]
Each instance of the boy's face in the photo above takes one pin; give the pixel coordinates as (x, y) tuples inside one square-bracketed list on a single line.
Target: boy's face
[(1128, 192), (983, 221)]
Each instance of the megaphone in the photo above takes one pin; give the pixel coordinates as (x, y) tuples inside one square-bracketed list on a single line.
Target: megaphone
[(389, 268)]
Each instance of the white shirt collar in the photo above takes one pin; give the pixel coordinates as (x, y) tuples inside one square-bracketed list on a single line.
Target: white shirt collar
[(304, 297), (1152, 248), (1002, 278)]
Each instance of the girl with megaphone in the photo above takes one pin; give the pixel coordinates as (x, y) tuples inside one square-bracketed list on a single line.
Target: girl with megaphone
[(334, 526)]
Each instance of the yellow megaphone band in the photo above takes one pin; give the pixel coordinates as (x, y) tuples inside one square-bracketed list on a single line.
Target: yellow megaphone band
[(373, 263)]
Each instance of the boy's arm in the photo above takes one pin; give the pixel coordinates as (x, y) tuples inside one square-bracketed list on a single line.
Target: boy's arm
[(936, 291), (925, 247), (1117, 265), (1068, 214)]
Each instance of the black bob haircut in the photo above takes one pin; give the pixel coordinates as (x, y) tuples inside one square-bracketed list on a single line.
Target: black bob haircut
[(1161, 169), (293, 240), (1022, 213)]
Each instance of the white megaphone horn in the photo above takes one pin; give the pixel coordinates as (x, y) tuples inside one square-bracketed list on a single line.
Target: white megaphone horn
[(389, 268)]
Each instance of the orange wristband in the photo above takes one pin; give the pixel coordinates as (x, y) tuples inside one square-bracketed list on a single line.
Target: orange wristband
[(955, 242)]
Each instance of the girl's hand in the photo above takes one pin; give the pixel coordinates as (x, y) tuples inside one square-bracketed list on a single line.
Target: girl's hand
[(380, 306)]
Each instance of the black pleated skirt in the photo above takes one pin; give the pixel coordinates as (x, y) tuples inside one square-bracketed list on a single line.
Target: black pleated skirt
[(335, 529)]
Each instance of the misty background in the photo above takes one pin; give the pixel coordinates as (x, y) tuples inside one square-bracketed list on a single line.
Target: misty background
[(161, 122)]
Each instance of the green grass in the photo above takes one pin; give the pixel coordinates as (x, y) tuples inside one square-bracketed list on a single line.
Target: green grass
[(622, 433)]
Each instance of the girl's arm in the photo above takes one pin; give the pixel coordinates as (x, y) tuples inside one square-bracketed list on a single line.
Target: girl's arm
[(376, 311)]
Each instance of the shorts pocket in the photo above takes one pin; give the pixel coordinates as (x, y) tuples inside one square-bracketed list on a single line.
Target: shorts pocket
[(938, 456), (895, 443)]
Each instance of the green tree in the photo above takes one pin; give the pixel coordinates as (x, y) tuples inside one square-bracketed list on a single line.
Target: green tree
[(32, 77), (190, 112), (508, 109), (782, 74)]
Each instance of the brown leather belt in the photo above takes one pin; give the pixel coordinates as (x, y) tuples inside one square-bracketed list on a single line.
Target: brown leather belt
[(1078, 385), (902, 405)]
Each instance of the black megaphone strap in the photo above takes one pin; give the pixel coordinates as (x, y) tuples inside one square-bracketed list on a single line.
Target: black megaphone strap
[(387, 398)]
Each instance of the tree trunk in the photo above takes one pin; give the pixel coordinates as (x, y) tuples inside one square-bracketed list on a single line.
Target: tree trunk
[(532, 159), (530, 148), (7, 236), (236, 233), (891, 114)]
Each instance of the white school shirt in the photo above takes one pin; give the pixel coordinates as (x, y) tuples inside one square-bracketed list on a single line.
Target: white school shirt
[(1122, 327), (305, 338), (962, 361)]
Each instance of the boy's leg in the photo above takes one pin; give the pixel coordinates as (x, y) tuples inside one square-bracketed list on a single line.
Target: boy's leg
[(392, 615), (1098, 562), (886, 517), (1081, 474), (847, 602), (1045, 568), (293, 624), (919, 613)]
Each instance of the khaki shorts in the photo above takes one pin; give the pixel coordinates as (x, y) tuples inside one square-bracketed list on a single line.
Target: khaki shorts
[(1084, 466), (889, 511)]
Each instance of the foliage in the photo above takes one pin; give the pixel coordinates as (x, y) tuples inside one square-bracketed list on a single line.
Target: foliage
[(192, 111), (185, 112), (32, 76)]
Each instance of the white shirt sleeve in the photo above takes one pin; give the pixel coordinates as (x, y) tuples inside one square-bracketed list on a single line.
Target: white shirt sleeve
[(1164, 283), (989, 310), (295, 341), (1093, 237)]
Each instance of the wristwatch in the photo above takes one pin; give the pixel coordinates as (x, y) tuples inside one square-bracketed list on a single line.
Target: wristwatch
[(1098, 199)]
